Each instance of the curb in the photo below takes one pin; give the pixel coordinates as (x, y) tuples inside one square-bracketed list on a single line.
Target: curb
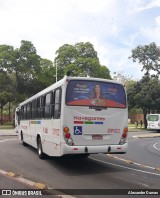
[(23, 180), (147, 136), (34, 185)]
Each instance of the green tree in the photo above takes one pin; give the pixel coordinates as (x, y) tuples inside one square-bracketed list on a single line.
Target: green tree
[(81, 60), (148, 56), (145, 94), (45, 76), (23, 63), (6, 91)]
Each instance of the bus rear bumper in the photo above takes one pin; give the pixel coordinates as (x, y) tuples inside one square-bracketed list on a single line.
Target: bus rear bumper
[(117, 149)]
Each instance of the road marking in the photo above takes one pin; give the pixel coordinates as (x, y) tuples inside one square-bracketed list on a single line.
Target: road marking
[(131, 162), (156, 147), (6, 140), (125, 167)]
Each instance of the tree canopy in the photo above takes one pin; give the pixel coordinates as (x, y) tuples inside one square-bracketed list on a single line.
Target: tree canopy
[(148, 56), (23, 72), (80, 59), (145, 94)]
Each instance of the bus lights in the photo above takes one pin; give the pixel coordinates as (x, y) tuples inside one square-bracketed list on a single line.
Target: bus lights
[(68, 136), (125, 130), (124, 136), (66, 129), (70, 142)]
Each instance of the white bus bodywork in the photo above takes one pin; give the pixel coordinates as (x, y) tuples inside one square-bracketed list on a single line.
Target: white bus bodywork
[(79, 129)]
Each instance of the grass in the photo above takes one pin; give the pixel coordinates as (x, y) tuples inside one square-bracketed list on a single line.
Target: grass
[(132, 127), (6, 126)]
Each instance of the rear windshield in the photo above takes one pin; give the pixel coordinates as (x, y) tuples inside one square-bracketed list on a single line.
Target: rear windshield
[(95, 93), (153, 118)]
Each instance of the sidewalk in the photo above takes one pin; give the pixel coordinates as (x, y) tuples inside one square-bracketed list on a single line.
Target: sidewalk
[(8, 132), (142, 133)]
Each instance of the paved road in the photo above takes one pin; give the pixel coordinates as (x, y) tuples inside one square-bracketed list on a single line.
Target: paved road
[(98, 171)]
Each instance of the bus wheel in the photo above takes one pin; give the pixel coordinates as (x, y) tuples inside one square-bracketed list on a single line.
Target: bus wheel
[(40, 149), (22, 139)]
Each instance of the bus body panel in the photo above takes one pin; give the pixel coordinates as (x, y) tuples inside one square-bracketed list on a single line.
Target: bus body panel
[(92, 130), (91, 127)]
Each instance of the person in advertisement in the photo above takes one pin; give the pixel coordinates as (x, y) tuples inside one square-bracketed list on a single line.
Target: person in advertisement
[(97, 98)]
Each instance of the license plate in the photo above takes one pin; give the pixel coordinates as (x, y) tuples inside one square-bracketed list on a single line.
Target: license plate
[(97, 137)]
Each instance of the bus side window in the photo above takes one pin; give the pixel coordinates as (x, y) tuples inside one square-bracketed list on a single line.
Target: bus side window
[(57, 104), (25, 112), (29, 110), (38, 108), (33, 109), (22, 112), (47, 109), (42, 104)]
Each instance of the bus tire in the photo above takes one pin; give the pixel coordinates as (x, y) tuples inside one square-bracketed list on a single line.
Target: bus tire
[(22, 139), (40, 149)]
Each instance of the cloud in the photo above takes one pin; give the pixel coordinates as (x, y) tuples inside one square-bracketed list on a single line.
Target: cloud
[(113, 27)]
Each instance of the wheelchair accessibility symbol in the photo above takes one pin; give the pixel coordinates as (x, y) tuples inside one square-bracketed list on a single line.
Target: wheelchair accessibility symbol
[(77, 130)]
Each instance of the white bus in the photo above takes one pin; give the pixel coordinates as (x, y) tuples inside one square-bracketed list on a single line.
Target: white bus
[(153, 122), (76, 115)]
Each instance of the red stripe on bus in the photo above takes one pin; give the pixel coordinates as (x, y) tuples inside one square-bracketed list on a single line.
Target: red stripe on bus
[(78, 122)]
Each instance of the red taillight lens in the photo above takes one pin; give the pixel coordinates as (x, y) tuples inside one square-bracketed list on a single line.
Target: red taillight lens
[(124, 135), (68, 135)]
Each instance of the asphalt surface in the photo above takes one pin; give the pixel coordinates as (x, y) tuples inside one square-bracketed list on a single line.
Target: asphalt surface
[(7, 179)]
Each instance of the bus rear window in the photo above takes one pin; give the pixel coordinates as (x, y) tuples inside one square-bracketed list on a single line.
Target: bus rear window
[(153, 118), (95, 93)]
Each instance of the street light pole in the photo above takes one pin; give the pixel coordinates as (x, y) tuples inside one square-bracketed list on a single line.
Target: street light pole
[(56, 71)]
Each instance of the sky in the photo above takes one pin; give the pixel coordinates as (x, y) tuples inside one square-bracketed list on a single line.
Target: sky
[(114, 27)]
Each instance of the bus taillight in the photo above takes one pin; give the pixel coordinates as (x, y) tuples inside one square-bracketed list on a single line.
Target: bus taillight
[(66, 129), (125, 130), (124, 136), (68, 135), (70, 142)]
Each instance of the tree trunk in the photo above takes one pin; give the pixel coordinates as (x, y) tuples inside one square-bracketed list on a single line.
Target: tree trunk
[(9, 109), (1, 114), (145, 119)]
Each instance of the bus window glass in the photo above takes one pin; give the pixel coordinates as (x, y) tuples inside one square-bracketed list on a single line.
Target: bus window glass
[(34, 105), (95, 93), (57, 105), (47, 99), (153, 118), (47, 113), (22, 112)]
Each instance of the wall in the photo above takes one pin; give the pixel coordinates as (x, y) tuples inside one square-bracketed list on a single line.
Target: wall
[(136, 117)]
